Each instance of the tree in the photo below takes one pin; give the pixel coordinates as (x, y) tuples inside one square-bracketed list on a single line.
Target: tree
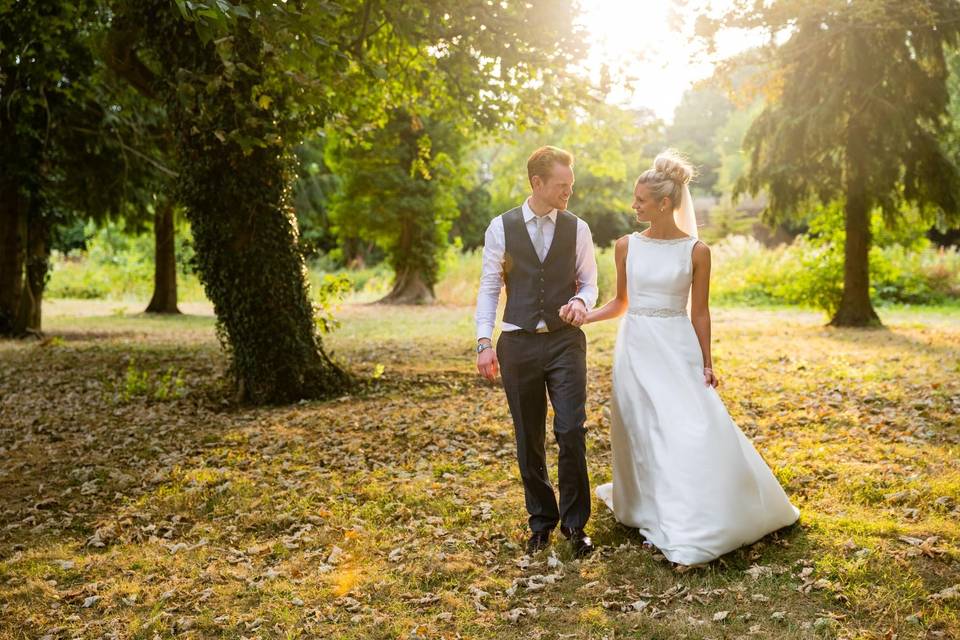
[(728, 148), (164, 299), (400, 185), (941, 232), (149, 194), (856, 101), (475, 211), (244, 82), (225, 103), (702, 111), (63, 151), (315, 186), (421, 132), (155, 194)]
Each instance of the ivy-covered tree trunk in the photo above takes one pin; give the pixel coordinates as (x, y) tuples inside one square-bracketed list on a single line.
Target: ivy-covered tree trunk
[(855, 309), (234, 183), (246, 243), (164, 298), (13, 216)]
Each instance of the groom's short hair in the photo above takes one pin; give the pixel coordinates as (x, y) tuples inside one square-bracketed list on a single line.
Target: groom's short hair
[(541, 161)]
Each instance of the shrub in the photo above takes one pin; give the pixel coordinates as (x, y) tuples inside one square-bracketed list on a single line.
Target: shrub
[(809, 273), (119, 265), (905, 268)]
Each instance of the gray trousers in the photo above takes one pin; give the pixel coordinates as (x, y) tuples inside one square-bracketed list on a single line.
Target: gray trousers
[(533, 365)]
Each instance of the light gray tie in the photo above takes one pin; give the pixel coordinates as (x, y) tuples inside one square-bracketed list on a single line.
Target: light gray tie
[(538, 242)]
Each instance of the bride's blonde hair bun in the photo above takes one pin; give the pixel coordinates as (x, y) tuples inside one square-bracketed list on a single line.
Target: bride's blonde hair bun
[(670, 172), (672, 163)]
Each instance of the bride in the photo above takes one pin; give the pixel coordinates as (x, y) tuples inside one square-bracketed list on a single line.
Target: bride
[(683, 473)]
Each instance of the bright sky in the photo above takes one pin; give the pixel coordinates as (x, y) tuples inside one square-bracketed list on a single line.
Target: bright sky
[(652, 40)]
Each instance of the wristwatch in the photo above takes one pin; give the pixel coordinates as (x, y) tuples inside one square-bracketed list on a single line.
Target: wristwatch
[(481, 347)]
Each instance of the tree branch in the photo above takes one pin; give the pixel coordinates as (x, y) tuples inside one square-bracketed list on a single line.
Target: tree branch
[(121, 57), (156, 163), (357, 45)]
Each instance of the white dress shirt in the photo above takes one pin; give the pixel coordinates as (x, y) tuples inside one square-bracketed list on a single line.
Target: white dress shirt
[(491, 277)]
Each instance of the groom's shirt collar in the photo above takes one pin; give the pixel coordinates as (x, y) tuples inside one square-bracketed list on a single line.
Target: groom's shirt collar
[(529, 215)]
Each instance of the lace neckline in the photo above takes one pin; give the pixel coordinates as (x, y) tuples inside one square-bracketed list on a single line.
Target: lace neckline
[(662, 240)]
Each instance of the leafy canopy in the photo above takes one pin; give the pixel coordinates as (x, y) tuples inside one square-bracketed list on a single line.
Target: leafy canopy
[(856, 100)]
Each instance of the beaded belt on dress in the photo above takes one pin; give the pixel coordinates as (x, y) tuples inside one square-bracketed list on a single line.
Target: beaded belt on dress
[(662, 312)]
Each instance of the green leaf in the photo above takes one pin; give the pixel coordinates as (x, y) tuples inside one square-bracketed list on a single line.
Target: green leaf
[(182, 6), (377, 71)]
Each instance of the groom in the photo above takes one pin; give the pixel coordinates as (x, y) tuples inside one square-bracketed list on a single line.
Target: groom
[(544, 256)]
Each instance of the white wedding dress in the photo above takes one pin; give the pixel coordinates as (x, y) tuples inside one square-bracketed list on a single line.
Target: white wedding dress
[(683, 473)]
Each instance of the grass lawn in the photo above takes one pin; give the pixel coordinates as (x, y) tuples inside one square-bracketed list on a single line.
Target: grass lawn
[(137, 502)]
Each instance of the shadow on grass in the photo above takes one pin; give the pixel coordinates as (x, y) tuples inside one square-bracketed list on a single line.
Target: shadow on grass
[(782, 546), (85, 428), (893, 339), (90, 336)]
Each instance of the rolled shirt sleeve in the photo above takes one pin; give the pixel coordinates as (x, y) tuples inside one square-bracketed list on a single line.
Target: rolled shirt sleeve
[(586, 267)]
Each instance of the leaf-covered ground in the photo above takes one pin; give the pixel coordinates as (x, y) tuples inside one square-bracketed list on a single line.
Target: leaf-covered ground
[(136, 502)]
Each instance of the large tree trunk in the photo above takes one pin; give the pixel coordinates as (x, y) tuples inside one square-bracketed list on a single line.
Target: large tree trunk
[(29, 318), (252, 271), (855, 309), (247, 249), (164, 298), (13, 254), (353, 253), (410, 284), (238, 203), (409, 287)]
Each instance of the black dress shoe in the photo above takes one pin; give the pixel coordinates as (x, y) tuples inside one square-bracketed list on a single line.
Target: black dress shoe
[(582, 545), (538, 542)]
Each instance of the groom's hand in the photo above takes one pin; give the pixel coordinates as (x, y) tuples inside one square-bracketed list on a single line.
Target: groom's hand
[(487, 364), (574, 312)]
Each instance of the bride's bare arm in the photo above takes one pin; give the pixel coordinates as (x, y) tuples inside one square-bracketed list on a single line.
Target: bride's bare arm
[(700, 307), (618, 305)]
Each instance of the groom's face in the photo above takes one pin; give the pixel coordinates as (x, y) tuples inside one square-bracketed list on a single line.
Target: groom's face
[(555, 188)]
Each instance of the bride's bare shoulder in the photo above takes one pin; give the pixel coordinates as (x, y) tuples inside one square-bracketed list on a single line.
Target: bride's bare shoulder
[(620, 247), (701, 253)]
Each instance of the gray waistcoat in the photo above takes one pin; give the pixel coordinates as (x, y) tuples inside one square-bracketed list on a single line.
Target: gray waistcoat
[(537, 290)]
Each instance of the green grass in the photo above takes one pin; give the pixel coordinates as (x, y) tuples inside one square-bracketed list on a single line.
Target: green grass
[(398, 512), (119, 267)]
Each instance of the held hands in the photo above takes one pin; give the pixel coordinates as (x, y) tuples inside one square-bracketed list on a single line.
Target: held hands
[(487, 364), (574, 312), (710, 378)]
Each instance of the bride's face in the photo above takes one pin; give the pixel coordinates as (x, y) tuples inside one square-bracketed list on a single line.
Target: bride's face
[(644, 204)]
